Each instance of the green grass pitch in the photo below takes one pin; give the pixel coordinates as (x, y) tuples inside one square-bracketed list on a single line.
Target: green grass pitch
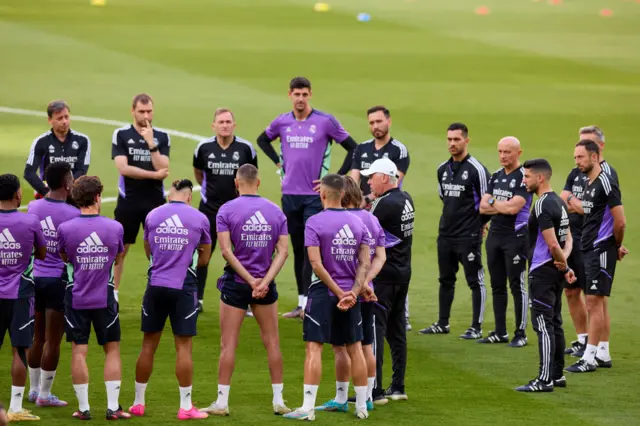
[(528, 68)]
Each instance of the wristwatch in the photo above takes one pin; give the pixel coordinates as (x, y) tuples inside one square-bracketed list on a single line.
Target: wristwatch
[(569, 197), (492, 201), (154, 149)]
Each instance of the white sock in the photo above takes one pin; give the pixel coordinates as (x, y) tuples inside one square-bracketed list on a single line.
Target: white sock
[(185, 398), (582, 338), (82, 393), (341, 392), (310, 392), (304, 302), (141, 388), (361, 398), (590, 353), (300, 300), (277, 393), (113, 392), (34, 380), (223, 396), (603, 351), (17, 393), (46, 382), (371, 381)]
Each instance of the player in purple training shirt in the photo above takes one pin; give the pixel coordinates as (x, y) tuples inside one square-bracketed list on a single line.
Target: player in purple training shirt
[(49, 320), (352, 201), (91, 245), (305, 137), (176, 241), (21, 239), (254, 241), (338, 245)]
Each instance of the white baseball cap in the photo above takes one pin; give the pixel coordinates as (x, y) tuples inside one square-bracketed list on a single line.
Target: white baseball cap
[(384, 166)]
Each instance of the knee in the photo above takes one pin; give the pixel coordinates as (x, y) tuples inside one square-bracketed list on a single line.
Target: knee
[(228, 346), (573, 294), (594, 304)]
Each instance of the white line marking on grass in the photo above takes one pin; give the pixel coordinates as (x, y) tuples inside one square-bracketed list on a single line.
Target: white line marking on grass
[(97, 120)]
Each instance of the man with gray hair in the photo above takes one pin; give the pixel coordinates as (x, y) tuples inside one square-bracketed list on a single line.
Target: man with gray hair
[(59, 144)]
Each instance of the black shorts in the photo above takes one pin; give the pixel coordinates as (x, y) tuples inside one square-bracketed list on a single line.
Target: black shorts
[(106, 322), (600, 268), (132, 213), (211, 214), (17, 317), (325, 323), (49, 294), (180, 306), (240, 295), (368, 323), (575, 262)]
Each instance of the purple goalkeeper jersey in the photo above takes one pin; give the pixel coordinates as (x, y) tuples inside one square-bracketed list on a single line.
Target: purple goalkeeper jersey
[(339, 234), (174, 231), (305, 148), (19, 234), (254, 225), (51, 213), (91, 244)]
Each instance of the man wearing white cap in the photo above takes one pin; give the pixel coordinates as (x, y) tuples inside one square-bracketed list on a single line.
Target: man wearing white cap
[(395, 212)]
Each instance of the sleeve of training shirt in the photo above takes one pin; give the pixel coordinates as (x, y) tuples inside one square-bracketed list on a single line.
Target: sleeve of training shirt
[(614, 197), (311, 237), (336, 131), (544, 215), (118, 145), (521, 188), (490, 184), (439, 173), (481, 182), (32, 166), (164, 144), (568, 185), (222, 224), (84, 159), (198, 161), (355, 158), (403, 159)]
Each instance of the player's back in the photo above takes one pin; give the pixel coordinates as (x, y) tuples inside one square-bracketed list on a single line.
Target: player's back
[(19, 232), (338, 233), (254, 225), (52, 213), (174, 231), (91, 244), (375, 232)]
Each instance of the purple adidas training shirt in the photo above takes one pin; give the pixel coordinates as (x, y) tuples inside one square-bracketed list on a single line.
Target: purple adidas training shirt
[(375, 233)]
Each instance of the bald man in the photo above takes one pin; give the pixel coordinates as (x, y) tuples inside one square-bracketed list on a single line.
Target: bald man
[(508, 202)]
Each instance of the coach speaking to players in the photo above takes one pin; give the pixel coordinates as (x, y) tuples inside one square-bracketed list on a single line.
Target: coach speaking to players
[(395, 212)]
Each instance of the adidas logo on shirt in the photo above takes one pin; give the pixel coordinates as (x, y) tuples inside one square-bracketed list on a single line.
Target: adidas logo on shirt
[(408, 212), (345, 237), (92, 244), (211, 156), (7, 242), (172, 225), (47, 227), (257, 223)]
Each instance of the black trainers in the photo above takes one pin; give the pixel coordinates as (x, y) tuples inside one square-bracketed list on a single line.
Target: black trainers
[(436, 328), (560, 383), (494, 338), (536, 385), (518, 341), (377, 400), (395, 394), (603, 364), (581, 366), (575, 347), (471, 334)]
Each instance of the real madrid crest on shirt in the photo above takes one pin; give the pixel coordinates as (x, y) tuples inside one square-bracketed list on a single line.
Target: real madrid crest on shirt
[(465, 175), (51, 149), (312, 129), (236, 156), (512, 184), (75, 145)]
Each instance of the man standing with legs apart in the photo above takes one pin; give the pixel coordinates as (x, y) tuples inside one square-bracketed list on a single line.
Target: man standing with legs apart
[(141, 155), (91, 245), (395, 211), (601, 245), (254, 241), (462, 182), (508, 202), (337, 242), (176, 241), (215, 163), (50, 289), (305, 136), (550, 246), (351, 201), (21, 239)]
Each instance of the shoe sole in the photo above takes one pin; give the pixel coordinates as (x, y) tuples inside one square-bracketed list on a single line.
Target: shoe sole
[(384, 401), (398, 397)]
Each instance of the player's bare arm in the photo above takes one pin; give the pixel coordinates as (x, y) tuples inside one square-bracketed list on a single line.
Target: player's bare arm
[(575, 205), (158, 160), (199, 175), (364, 263), (282, 252), (619, 226), (204, 254)]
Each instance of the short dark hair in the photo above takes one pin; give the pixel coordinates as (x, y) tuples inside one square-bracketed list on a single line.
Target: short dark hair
[(352, 193), (377, 108), (141, 98), (590, 146), (9, 186), (334, 182), (247, 172), (539, 165), (56, 174), (85, 190), (300, 83), (459, 126), (181, 184), (56, 106)]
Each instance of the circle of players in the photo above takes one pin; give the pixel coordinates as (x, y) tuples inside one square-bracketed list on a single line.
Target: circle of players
[(350, 235)]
